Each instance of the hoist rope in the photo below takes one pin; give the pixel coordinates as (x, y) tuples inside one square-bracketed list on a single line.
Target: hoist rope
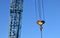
[(36, 10), (43, 9), (41, 34), (39, 9)]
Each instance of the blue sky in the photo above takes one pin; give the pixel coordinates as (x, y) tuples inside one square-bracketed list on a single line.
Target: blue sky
[(51, 29)]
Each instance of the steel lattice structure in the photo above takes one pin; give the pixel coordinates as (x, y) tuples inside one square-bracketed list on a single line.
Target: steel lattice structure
[(16, 9)]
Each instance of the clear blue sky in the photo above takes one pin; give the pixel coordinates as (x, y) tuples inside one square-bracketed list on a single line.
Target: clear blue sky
[(30, 29)]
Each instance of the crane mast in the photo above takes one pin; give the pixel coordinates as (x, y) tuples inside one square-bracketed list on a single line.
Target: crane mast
[(16, 9)]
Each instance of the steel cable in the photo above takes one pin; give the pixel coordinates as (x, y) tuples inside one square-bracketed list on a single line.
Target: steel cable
[(39, 11), (43, 10)]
